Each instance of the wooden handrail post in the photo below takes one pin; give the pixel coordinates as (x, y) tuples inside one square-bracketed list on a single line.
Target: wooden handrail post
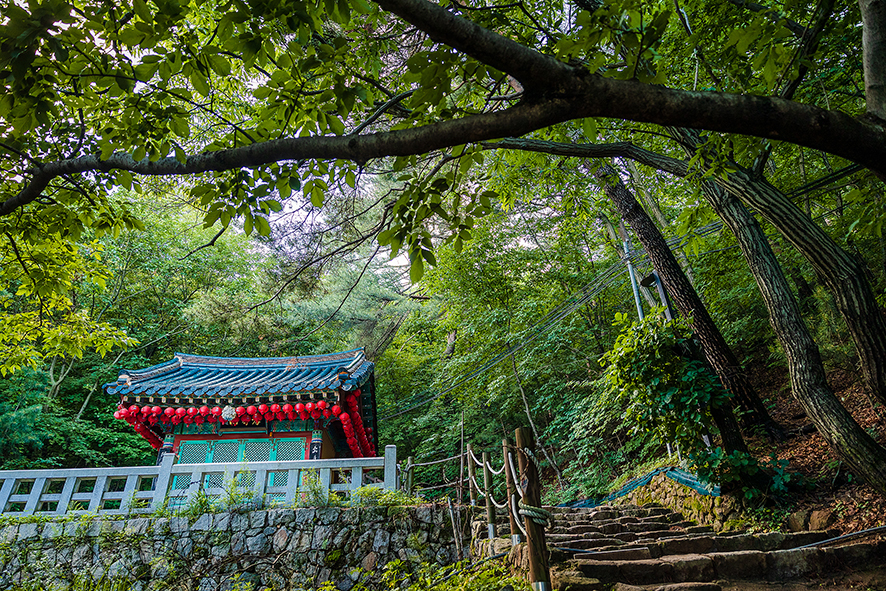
[(410, 468), (539, 576), (487, 491), (516, 538), (472, 475)]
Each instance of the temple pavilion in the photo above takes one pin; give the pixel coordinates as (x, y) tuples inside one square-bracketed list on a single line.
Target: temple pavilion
[(218, 409)]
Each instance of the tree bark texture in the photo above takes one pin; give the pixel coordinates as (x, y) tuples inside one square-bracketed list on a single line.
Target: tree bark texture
[(842, 274), (716, 350), (866, 458), (873, 42)]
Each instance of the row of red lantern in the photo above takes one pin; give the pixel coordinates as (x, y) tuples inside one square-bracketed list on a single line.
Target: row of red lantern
[(350, 436), (353, 402), (154, 414)]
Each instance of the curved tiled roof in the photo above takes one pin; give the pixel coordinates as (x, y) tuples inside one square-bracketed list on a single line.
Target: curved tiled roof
[(196, 377)]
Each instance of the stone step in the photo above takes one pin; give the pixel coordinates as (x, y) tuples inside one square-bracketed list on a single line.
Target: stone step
[(776, 565), (700, 544)]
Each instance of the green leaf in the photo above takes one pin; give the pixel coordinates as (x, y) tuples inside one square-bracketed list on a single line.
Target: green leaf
[(142, 10), (199, 82), (219, 64), (416, 270)]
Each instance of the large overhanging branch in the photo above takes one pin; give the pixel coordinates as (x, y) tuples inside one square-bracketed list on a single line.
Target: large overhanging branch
[(628, 150), (555, 92)]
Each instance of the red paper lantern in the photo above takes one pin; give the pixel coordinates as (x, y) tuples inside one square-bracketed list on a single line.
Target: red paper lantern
[(263, 409), (287, 408), (134, 409), (198, 420), (299, 407), (327, 413), (169, 411), (216, 411), (117, 414), (322, 405), (275, 408), (303, 415), (309, 406), (345, 417), (204, 410), (176, 419), (240, 411), (336, 410), (251, 410), (192, 411), (187, 419), (156, 410), (280, 415), (234, 421), (180, 412)]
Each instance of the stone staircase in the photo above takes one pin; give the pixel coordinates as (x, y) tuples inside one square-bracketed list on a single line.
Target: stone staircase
[(653, 548)]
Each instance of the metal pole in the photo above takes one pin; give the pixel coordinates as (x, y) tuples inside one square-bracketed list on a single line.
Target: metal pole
[(410, 468), (633, 277), (516, 538), (487, 490), (663, 296)]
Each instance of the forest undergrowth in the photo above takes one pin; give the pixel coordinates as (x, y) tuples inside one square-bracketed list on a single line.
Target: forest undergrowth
[(830, 487)]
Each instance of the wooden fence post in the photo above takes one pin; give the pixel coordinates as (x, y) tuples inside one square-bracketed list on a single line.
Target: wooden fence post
[(472, 475), (539, 576), (410, 468), (487, 490), (516, 538)]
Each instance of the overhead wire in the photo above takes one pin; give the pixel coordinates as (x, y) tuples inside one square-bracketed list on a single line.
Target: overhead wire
[(603, 280)]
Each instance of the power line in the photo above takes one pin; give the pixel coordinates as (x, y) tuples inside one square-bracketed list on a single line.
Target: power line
[(604, 280)]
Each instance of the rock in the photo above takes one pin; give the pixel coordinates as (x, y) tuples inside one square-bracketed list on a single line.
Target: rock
[(27, 531), (221, 522), (821, 520), (279, 540), (257, 519), (258, 544), (381, 541), (798, 521), (369, 561), (203, 523)]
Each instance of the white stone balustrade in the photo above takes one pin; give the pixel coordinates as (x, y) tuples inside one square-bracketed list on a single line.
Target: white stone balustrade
[(143, 489)]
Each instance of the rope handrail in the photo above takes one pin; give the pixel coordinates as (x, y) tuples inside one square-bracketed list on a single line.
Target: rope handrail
[(431, 463), (473, 457), (514, 472), (493, 470), (439, 486)]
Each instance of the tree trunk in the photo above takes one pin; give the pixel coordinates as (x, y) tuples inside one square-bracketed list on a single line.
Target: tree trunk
[(808, 380), (655, 210), (873, 42), (714, 346), (839, 271)]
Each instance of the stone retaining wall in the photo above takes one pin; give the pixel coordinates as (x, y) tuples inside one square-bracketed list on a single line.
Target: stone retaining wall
[(276, 549), (703, 509)]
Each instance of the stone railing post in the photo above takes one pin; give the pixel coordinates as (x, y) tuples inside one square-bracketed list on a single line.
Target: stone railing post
[(161, 485), (390, 467)]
